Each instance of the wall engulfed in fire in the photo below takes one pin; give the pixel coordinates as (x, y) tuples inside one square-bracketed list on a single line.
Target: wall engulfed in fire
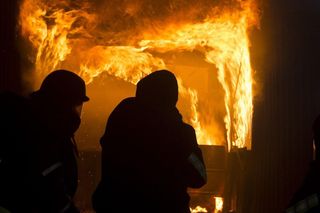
[(113, 44)]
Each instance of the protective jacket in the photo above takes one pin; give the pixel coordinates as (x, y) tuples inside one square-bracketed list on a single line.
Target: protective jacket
[(149, 158), (307, 197), (38, 166)]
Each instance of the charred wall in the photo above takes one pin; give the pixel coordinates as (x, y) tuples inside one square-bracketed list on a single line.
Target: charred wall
[(9, 54), (288, 59)]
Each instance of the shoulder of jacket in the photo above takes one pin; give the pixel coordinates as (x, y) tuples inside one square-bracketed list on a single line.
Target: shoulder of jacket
[(126, 101), (14, 105), (188, 127)]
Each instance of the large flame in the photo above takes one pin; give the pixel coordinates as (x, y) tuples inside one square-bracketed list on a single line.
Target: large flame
[(67, 35), (52, 44)]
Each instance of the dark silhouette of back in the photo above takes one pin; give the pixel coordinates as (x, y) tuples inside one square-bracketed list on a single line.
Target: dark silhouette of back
[(38, 169), (146, 150), (307, 197), (13, 135)]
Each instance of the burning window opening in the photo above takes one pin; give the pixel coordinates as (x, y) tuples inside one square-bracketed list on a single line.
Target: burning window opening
[(93, 38), (205, 43)]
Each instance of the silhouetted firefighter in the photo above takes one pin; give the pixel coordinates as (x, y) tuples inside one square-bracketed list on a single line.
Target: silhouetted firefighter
[(307, 198), (38, 169), (149, 155)]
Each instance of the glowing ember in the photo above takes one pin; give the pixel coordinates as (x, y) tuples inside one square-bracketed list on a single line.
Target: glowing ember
[(219, 204), (198, 209), (68, 34)]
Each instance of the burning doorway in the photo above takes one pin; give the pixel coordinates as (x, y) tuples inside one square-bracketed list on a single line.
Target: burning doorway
[(113, 44)]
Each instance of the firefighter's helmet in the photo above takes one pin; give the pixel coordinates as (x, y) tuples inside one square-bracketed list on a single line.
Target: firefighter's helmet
[(63, 85)]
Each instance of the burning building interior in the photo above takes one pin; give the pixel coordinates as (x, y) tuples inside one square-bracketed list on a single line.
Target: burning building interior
[(248, 73)]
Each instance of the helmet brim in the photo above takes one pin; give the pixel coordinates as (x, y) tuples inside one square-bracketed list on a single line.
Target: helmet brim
[(85, 99)]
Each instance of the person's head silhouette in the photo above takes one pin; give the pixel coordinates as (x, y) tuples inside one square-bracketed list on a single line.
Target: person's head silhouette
[(159, 89), (62, 86), (60, 99)]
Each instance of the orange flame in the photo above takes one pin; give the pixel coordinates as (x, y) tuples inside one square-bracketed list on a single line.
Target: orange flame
[(198, 209), (61, 36), (202, 134), (219, 204), (51, 42), (125, 62)]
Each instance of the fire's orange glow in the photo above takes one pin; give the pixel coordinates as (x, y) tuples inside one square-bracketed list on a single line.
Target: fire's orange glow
[(219, 204), (198, 209), (52, 44), (125, 62), (65, 34)]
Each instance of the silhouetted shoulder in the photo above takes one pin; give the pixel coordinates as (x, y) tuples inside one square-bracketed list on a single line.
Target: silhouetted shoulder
[(9, 100), (13, 109), (125, 103), (188, 128), (15, 121), (121, 113), (124, 107), (189, 134)]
